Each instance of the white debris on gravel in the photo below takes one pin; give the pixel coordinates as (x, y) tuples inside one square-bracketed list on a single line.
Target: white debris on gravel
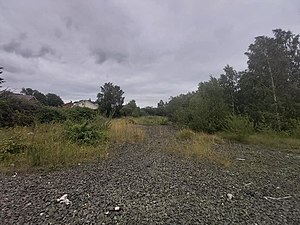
[(15, 174), (273, 198), (229, 196), (240, 159), (117, 208), (28, 204), (64, 199)]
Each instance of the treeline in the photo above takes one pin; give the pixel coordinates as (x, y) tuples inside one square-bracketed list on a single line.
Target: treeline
[(17, 112), (267, 93)]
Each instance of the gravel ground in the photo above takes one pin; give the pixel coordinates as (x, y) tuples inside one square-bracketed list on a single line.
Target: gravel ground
[(144, 184)]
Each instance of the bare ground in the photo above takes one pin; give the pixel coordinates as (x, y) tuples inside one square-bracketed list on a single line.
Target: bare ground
[(145, 184)]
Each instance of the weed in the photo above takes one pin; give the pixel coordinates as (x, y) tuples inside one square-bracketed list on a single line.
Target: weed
[(84, 133)]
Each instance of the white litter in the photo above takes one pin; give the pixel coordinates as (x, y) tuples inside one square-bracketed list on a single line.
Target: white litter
[(273, 198), (64, 199), (240, 159), (117, 208), (229, 196), (15, 174)]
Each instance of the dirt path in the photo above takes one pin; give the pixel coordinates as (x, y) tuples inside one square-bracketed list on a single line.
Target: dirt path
[(144, 184)]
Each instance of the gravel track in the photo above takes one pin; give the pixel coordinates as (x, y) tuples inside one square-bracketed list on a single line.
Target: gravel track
[(154, 186)]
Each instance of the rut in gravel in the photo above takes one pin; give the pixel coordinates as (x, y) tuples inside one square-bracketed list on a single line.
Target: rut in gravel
[(143, 183)]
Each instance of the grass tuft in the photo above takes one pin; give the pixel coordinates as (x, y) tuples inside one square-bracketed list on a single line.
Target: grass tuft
[(199, 145), (125, 131)]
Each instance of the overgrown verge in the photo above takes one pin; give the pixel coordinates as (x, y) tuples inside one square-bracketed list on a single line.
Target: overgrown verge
[(200, 145), (243, 130), (52, 145)]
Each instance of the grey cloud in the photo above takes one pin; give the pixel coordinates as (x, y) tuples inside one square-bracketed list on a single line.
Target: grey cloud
[(102, 56), (17, 48)]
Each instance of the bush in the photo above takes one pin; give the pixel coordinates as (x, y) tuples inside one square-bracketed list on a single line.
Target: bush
[(85, 133), (79, 114), (12, 145), (295, 131), (239, 127)]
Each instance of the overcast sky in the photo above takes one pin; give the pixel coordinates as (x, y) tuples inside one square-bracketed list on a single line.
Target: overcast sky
[(153, 49)]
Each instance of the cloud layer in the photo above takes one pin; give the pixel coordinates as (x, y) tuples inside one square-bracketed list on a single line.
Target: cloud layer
[(153, 49)]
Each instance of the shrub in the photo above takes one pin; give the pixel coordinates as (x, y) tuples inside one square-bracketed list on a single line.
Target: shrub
[(12, 145), (85, 133), (79, 114), (239, 127), (295, 131)]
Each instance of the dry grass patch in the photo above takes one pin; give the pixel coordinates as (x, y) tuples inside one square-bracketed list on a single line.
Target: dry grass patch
[(200, 145), (124, 130)]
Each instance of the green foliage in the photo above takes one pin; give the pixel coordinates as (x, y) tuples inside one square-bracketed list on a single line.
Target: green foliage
[(86, 133), (11, 145), (49, 99), (16, 112), (295, 130), (204, 110), (110, 100), (54, 100), (130, 109), (267, 93), (239, 124), (79, 114), (239, 127)]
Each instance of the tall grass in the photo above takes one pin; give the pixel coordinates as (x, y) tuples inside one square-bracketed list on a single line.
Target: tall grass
[(44, 145), (125, 131), (151, 120), (199, 145)]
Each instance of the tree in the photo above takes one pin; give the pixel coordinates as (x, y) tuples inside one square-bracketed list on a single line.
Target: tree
[(161, 108), (208, 108), (54, 100), (1, 79), (130, 109), (273, 75), (110, 99), (27, 91), (38, 95), (229, 82)]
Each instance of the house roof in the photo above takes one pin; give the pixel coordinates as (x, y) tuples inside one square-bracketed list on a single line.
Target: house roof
[(23, 97)]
